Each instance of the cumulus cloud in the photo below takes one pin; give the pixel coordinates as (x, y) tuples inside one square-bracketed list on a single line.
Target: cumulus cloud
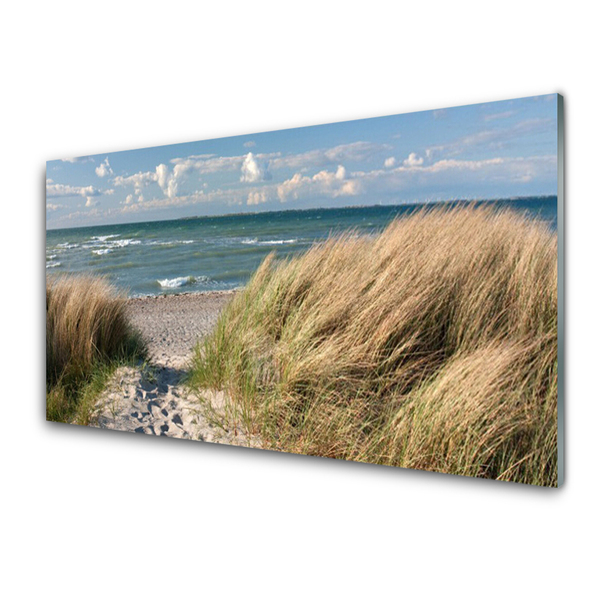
[(59, 190), (413, 160), (388, 163), (255, 198), (104, 168), (258, 167), (169, 181), (109, 192), (141, 180), (253, 171), (324, 183), (162, 174), (249, 144), (90, 202), (52, 207), (208, 163)]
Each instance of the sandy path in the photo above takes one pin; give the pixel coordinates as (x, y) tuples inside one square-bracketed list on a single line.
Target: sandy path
[(151, 398)]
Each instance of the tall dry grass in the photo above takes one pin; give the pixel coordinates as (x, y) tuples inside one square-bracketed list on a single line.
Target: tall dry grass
[(431, 346), (86, 332)]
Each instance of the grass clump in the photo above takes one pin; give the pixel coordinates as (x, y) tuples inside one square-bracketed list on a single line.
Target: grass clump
[(431, 346), (87, 336)]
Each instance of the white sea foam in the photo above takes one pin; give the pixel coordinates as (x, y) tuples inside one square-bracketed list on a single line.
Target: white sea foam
[(176, 282), (67, 245), (102, 251), (52, 263), (123, 243), (50, 256), (103, 238), (170, 242), (276, 242), (250, 241)]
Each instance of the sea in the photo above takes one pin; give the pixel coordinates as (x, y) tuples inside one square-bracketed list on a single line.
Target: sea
[(221, 253)]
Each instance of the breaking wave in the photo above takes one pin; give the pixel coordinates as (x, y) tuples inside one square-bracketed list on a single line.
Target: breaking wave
[(178, 282), (276, 242)]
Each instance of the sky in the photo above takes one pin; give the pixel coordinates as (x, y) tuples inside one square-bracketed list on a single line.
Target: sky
[(481, 151)]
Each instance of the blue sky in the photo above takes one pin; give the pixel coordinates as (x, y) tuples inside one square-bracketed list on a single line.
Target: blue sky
[(492, 150)]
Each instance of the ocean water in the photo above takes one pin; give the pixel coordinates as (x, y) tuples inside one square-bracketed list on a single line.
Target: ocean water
[(219, 253)]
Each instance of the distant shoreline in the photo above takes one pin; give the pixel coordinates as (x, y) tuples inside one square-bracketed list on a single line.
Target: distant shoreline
[(305, 210)]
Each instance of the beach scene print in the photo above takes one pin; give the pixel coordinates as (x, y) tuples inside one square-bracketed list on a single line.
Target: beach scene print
[(382, 291)]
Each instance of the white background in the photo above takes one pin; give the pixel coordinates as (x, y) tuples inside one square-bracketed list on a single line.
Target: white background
[(90, 514)]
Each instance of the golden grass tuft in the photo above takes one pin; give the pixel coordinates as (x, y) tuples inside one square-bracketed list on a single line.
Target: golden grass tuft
[(87, 331), (432, 346)]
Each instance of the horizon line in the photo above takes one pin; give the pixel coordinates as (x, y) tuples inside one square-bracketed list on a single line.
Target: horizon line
[(346, 207)]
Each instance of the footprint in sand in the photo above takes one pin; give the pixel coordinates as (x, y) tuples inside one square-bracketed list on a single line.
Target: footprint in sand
[(151, 399)]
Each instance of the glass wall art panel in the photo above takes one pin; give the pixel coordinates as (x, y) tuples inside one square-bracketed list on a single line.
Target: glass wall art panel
[(387, 291)]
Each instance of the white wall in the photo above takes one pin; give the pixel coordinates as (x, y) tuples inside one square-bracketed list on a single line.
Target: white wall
[(95, 514)]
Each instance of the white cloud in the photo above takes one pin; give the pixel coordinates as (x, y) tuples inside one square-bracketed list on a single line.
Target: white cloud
[(354, 152), (169, 182), (255, 198), (79, 159), (208, 163), (109, 192), (59, 190), (413, 160), (52, 207), (249, 144), (90, 202), (141, 180), (104, 168), (252, 171), (129, 199), (324, 183), (493, 139), (162, 173), (469, 176), (258, 167), (389, 162)]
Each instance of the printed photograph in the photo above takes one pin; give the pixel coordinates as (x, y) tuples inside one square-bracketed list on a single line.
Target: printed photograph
[(382, 290)]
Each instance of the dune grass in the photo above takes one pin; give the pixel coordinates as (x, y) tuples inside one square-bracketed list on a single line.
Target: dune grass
[(87, 337), (430, 346)]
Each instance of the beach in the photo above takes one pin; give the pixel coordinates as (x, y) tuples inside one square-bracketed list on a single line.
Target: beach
[(152, 398), (172, 325)]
